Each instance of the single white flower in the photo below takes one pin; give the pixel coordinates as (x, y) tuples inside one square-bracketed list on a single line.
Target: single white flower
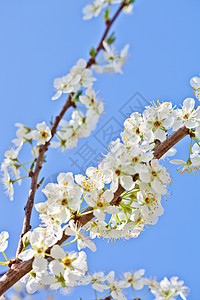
[(187, 114), (42, 134), (93, 10), (135, 279), (82, 240)]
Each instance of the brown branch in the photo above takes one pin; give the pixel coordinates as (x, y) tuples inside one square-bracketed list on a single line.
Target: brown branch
[(18, 270), (34, 175), (172, 140)]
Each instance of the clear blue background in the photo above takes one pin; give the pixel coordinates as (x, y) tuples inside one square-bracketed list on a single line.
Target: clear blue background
[(41, 40)]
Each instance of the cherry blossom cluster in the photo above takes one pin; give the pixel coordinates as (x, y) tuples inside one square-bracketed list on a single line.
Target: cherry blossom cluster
[(110, 60), (103, 6), (69, 132), (69, 270), (11, 165), (80, 124), (129, 163), (129, 167), (191, 118), (118, 288), (78, 83)]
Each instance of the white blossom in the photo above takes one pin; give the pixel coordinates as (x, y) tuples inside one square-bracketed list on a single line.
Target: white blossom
[(42, 134)]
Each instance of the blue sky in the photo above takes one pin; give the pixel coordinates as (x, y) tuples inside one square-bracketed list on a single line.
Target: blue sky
[(41, 40)]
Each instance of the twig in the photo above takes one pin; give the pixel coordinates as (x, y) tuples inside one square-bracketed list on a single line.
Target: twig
[(34, 175)]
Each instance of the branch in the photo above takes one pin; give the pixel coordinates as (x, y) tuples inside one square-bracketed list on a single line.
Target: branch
[(18, 270), (34, 175)]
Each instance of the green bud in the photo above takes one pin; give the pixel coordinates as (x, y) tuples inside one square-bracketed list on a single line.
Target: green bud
[(110, 40), (106, 15), (92, 52)]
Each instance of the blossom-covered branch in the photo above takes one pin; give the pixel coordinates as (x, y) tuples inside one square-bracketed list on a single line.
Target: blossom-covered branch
[(43, 148), (131, 183), (117, 199)]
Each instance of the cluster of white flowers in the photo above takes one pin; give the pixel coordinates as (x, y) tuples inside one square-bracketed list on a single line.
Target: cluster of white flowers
[(101, 283), (165, 289), (168, 289), (111, 61), (129, 164), (62, 270), (94, 9), (68, 134), (79, 84), (11, 164), (79, 76), (195, 83), (80, 124)]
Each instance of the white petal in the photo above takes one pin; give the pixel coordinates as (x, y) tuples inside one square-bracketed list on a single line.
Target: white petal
[(57, 95), (195, 82), (56, 267), (57, 252), (177, 162), (32, 286), (26, 255), (127, 182), (189, 104), (39, 264)]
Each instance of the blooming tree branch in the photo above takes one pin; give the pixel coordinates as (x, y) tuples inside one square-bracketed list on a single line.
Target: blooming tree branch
[(117, 199), (34, 175), (19, 269)]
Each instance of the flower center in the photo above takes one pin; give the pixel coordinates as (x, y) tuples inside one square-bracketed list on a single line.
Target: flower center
[(186, 116), (64, 201), (99, 204), (137, 131), (135, 159), (154, 173), (44, 134), (157, 124), (118, 172), (67, 261)]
